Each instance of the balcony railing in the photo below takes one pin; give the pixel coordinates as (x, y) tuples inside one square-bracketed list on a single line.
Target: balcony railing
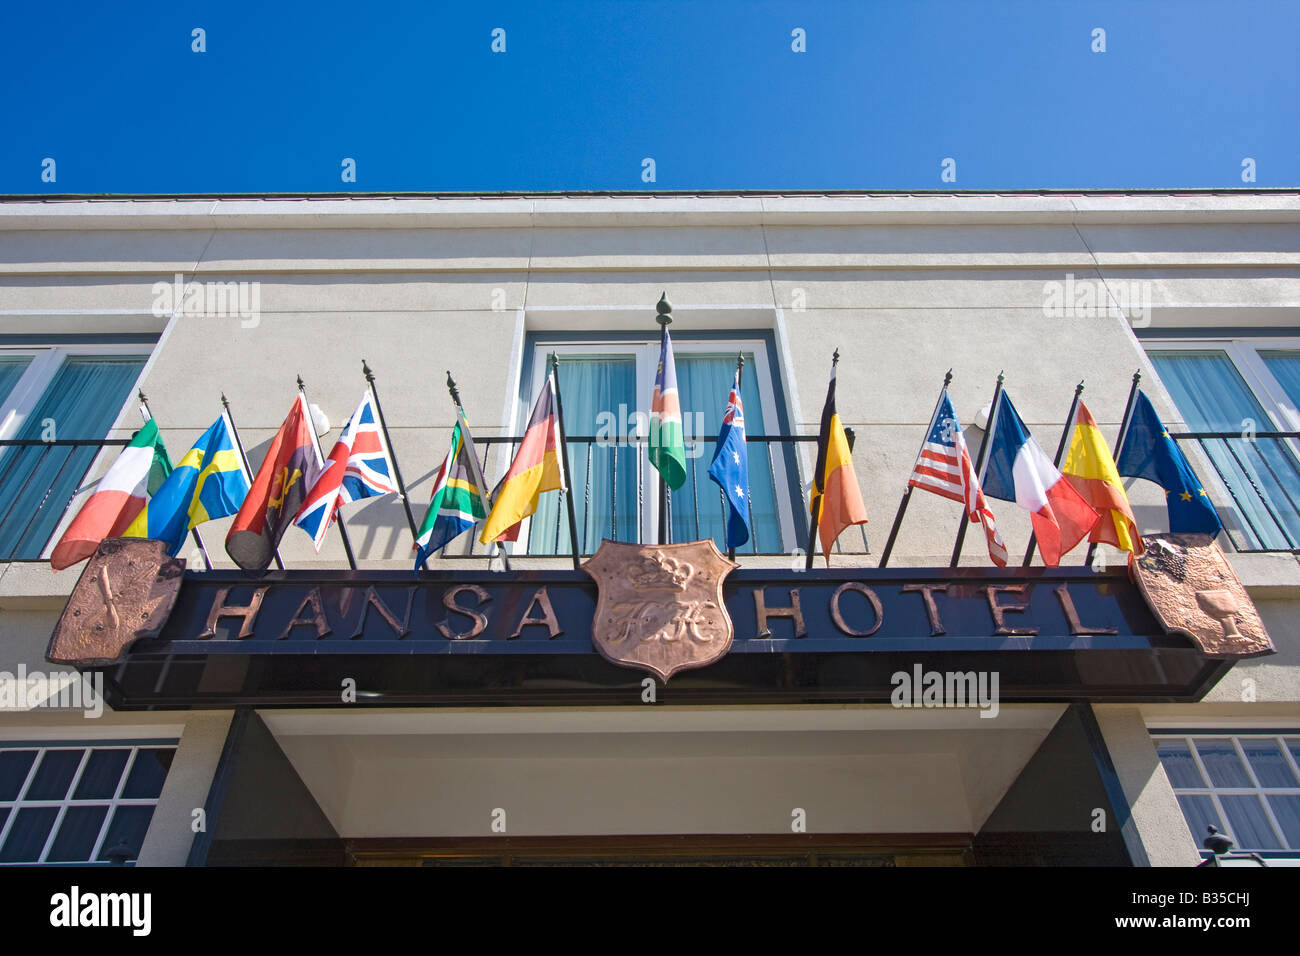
[(615, 495), (1262, 474)]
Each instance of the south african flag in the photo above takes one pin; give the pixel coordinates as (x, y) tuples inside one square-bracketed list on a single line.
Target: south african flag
[(457, 501)]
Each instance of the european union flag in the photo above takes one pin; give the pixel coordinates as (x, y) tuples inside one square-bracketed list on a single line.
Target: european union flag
[(730, 468), (1150, 453)]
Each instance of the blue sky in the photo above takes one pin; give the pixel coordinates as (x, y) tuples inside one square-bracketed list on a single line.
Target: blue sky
[(584, 92)]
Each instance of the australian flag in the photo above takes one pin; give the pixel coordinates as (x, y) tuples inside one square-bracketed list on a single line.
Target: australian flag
[(730, 468)]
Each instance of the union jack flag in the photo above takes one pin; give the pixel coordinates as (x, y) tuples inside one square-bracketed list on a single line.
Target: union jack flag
[(358, 467), (944, 467)]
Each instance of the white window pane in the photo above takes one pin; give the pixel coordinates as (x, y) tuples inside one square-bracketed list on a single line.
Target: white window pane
[(1222, 763), (1248, 824), (1177, 760)]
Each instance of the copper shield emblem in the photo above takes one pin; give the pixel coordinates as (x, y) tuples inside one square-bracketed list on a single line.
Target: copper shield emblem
[(1192, 590), (660, 606), (126, 592)]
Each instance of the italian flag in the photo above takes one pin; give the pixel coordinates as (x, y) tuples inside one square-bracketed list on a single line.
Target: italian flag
[(121, 495)]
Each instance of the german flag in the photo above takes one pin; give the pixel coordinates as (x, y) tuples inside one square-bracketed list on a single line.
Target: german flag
[(836, 501), (1091, 471), (536, 469)]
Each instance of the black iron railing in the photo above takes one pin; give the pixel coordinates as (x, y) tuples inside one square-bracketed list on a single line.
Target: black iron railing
[(38, 480), (1261, 471), (615, 494)]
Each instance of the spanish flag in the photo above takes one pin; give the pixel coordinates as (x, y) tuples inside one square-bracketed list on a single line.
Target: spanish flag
[(536, 468), (836, 501), (1091, 471)]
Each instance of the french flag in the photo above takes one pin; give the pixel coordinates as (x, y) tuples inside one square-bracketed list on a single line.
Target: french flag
[(1018, 470)]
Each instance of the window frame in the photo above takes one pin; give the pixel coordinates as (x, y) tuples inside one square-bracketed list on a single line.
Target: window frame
[(1245, 357), (644, 348), (31, 387), (1243, 353), (36, 378), (68, 802), (1188, 737)]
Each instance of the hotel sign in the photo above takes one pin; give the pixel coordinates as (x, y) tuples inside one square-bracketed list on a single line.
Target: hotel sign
[(458, 635)]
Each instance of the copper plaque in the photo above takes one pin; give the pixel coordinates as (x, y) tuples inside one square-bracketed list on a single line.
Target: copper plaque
[(125, 593), (1192, 590), (660, 607)]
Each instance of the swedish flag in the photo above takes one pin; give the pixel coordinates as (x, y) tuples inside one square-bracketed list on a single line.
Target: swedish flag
[(209, 482)]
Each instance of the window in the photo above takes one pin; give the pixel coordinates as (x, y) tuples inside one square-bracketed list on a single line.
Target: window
[(606, 384), (1240, 398), (78, 803), (1247, 786), (67, 394)]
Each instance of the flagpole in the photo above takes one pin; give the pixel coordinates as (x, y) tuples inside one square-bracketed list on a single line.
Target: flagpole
[(147, 415), (564, 462), (907, 492), (731, 552), (663, 315), (392, 455), (979, 466), (475, 470), (338, 515), (234, 433), (1119, 444), (817, 502), (1060, 451)]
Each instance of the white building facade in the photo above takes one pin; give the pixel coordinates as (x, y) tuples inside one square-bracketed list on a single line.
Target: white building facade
[(190, 299)]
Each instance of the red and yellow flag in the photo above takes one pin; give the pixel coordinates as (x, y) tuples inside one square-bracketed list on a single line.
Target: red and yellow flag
[(1090, 470), (835, 485), (536, 468)]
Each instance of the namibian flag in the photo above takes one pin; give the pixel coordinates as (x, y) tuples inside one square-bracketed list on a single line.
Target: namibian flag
[(457, 502), (121, 494), (1090, 469), (836, 500), (1020, 471), (667, 441), (358, 467), (536, 468), (291, 467), (209, 482)]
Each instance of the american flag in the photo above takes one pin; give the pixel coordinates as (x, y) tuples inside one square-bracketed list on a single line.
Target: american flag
[(944, 467), (358, 467)]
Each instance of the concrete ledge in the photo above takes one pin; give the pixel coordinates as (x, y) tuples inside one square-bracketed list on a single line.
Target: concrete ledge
[(1268, 575)]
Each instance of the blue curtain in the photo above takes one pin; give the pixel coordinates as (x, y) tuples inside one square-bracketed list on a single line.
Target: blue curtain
[(36, 483), (698, 509), (1285, 367), (599, 397), (1262, 474), (11, 370)]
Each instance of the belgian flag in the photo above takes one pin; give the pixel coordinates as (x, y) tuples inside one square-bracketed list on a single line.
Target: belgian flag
[(836, 501)]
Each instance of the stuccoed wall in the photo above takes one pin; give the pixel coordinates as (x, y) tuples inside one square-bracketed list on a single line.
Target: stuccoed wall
[(905, 287)]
